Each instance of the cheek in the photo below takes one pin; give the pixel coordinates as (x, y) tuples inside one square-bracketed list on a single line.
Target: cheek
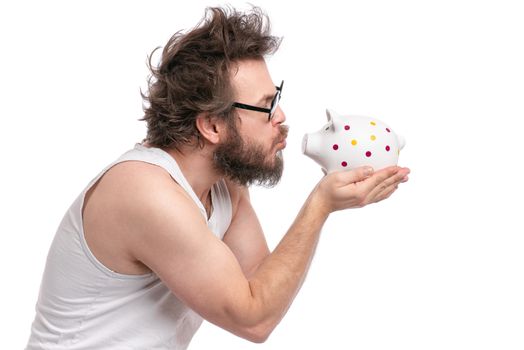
[(259, 135)]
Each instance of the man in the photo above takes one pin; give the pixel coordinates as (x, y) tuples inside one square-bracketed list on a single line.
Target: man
[(166, 235)]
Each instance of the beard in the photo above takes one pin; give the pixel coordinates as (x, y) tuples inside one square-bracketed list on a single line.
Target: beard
[(246, 163)]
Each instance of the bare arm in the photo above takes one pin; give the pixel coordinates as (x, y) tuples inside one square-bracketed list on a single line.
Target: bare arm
[(170, 236), (244, 236), (281, 274), (267, 272)]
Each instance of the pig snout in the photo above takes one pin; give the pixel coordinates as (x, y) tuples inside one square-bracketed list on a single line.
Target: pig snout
[(310, 145)]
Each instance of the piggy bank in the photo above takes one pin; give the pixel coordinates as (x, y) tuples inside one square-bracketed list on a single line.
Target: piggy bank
[(348, 142)]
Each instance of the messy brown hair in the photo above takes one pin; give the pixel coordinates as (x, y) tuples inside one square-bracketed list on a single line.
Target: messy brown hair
[(193, 74)]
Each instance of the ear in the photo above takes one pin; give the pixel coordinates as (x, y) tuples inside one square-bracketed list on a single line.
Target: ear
[(330, 117), (210, 127)]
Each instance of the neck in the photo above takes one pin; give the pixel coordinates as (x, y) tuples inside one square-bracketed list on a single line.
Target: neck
[(197, 166)]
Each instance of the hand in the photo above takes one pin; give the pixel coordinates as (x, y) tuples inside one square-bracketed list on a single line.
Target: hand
[(357, 188)]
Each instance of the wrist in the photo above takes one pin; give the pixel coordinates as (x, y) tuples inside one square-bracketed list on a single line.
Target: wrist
[(316, 201)]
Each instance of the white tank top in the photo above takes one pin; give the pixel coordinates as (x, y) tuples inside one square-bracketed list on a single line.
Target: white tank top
[(84, 305)]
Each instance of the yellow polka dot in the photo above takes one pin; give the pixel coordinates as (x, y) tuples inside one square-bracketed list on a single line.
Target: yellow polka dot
[(373, 137), (354, 142), (373, 123)]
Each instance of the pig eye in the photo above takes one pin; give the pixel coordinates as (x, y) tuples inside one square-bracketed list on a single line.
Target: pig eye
[(328, 126)]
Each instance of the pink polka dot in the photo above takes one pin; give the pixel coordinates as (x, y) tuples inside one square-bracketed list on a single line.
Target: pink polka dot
[(387, 129), (387, 148), (335, 147), (344, 164), (346, 127), (368, 154)]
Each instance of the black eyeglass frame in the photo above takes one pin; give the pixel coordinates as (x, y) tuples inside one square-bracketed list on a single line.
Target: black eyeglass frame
[(271, 110)]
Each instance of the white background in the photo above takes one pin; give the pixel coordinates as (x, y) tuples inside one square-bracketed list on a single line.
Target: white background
[(437, 266)]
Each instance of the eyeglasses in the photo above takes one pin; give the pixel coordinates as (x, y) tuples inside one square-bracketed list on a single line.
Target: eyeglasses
[(271, 110)]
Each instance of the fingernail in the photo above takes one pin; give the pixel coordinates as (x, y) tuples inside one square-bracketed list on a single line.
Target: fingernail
[(368, 171)]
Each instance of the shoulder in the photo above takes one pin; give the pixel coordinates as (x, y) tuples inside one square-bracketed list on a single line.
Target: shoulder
[(132, 170), (132, 178), (136, 190), (151, 207), (127, 206)]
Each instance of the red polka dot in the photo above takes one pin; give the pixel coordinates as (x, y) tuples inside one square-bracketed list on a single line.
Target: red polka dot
[(346, 127), (368, 154), (387, 129), (387, 148), (335, 147), (344, 164)]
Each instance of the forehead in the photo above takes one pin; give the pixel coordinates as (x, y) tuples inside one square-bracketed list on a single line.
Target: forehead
[(251, 80)]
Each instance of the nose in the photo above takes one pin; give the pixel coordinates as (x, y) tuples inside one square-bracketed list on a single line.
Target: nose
[(279, 117)]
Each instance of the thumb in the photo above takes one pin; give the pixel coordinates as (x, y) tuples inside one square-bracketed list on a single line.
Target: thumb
[(356, 175)]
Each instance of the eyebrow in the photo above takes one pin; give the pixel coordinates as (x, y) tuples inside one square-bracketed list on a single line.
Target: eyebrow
[(266, 98)]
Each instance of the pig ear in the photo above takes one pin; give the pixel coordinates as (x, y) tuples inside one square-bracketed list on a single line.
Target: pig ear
[(331, 115), (328, 115)]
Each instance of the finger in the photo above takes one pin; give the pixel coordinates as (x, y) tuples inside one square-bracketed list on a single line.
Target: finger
[(379, 194), (385, 196), (397, 178), (387, 187), (383, 193), (355, 175), (378, 178), (390, 179)]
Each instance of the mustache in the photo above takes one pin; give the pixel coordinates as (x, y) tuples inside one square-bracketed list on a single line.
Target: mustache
[(284, 130)]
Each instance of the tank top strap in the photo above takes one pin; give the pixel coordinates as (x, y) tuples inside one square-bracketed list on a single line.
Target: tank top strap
[(162, 159), (222, 208), (221, 215)]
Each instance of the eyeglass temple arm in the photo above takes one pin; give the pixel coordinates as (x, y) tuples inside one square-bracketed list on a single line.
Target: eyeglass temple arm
[(251, 108), (255, 108)]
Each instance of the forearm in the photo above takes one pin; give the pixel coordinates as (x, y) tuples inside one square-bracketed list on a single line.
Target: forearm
[(281, 274), (266, 296)]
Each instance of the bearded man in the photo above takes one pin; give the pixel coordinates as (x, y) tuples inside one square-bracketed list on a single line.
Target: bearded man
[(166, 236)]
